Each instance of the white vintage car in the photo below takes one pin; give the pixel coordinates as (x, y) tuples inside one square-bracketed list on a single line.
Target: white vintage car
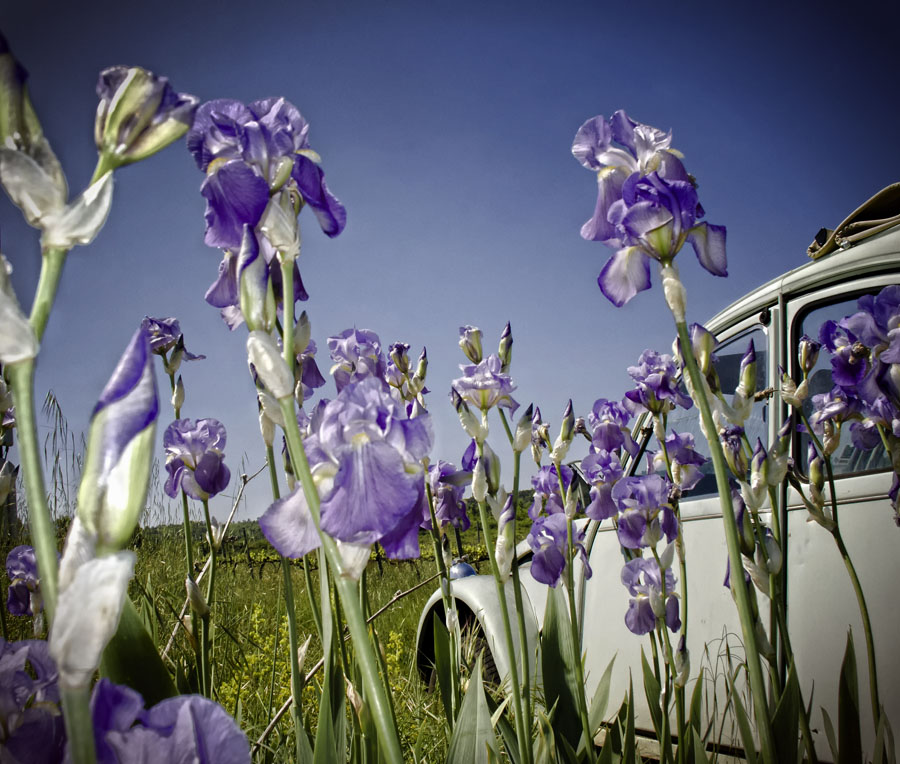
[(821, 602)]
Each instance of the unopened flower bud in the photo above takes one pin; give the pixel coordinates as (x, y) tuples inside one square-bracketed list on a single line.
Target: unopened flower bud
[(422, 365), (703, 343), (264, 354), (682, 664), (505, 350), (178, 394), (302, 333), (119, 452), (566, 433), (816, 468), (808, 354), (747, 384), (470, 342), (196, 598), (673, 289), (399, 354), (138, 114), (266, 429), (522, 437), (733, 448), (479, 481)]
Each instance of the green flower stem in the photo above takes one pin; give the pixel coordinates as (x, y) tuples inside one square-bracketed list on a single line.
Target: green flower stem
[(576, 633), (206, 620), (742, 599), (522, 733), (293, 636), (287, 329), (854, 579), (296, 676), (79, 725), (867, 624), (379, 706), (43, 530), (53, 259), (527, 657), (449, 606), (670, 668)]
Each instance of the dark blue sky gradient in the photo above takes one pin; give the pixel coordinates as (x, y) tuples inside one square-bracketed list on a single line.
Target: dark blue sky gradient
[(446, 128)]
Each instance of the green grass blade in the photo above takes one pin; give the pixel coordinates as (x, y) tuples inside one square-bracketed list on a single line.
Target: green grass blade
[(849, 739), (442, 667), (786, 720), (743, 723), (558, 658), (473, 735)]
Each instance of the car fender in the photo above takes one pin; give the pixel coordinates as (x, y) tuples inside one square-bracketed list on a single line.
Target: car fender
[(477, 597)]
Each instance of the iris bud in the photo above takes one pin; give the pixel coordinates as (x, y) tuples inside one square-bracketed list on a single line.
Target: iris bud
[(747, 385), (271, 368), (138, 114), (566, 434), (422, 366), (522, 438), (470, 343), (120, 448), (196, 598), (178, 394), (399, 355), (505, 350), (808, 354), (302, 333)]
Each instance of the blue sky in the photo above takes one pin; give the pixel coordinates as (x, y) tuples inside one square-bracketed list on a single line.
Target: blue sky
[(445, 128)]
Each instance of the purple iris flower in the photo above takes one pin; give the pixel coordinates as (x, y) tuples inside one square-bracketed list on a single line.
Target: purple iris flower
[(365, 455), (183, 728), (646, 513), (609, 427), (31, 722), (685, 461), (310, 376), (447, 488), (642, 579), (484, 385), (647, 204), (248, 150), (547, 539), (732, 438), (23, 596), (247, 281), (356, 354), (602, 469), (548, 495), (657, 384), (195, 458), (165, 334)]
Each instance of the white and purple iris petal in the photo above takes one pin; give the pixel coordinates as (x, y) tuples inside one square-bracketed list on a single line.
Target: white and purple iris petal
[(642, 579), (548, 539), (195, 458), (184, 728), (646, 514), (365, 456)]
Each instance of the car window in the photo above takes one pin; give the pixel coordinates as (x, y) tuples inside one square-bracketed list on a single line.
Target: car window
[(728, 367), (847, 459)]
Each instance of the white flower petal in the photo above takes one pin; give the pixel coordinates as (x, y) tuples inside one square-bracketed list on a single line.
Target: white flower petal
[(87, 616), (30, 187), (80, 221), (18, 341), (264, 354)]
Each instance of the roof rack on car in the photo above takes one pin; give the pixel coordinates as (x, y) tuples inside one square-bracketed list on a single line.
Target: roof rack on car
[(877, 214)]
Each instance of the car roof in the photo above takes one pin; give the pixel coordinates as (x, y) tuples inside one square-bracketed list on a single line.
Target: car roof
[(876, 254)]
